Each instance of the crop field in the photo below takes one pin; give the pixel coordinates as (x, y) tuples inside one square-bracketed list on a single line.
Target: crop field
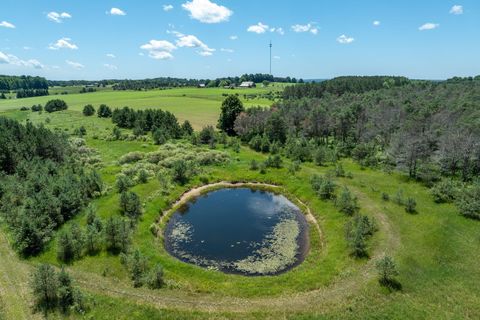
[(201, 106)]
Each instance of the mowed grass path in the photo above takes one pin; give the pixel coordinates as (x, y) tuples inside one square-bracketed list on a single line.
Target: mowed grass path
[(200, 106)]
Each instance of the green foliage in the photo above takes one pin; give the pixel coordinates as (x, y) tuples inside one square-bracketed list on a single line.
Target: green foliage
[(55, 105), (410, 205), (154, 279), (294, 167), (446, 191), (399, 198), (347, 202), (207, 135), (130, 205), (45, 287), (88, 110), (231, 108), (104, 111), (357, 232), (137, 265), (324, 186), (65, 291), (158, 137), (180, 172), (117, 235), (123, 183), (274, 161), (253, 165), (387, 271), (469, 201), (187, 128), (385, 196)]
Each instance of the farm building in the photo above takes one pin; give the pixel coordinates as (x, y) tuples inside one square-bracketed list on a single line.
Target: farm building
[(247, 84)]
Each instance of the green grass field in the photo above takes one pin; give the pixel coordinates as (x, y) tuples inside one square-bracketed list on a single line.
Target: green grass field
[(437, 250), (200, 106)]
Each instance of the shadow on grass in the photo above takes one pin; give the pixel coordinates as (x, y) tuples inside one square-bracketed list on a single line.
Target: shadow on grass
[(391, 284)]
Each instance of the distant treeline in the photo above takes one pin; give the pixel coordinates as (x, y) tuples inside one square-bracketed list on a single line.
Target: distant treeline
[(341, 85), (26, 93), (8, 83)]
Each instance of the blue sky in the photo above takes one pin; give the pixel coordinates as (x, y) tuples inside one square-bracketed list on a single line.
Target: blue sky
[(212, 38)]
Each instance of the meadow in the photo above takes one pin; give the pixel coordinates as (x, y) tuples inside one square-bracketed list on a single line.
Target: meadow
[(201, 106), (436, 250)]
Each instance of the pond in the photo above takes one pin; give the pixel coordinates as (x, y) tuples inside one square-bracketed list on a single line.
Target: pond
[(239, 230)]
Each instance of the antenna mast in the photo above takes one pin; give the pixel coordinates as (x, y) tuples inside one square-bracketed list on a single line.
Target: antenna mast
[(270, 57)]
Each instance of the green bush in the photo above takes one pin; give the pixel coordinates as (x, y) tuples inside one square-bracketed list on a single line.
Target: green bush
[(411, 205), (55, 105), (88, 110), (445, 191), (347, 203)]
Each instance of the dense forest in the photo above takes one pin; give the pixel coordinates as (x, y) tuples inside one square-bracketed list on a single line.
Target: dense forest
[(43, 182), (429, 130), (8, 83)]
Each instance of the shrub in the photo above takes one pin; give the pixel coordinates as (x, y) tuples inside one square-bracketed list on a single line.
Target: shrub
[(88, 110), (131, 157), (385, 196), (55, 105), (346, 202), (207, 135), (104, 111), (324, 186), (357, 231), (274, 161), (158, 137), (339, 171), (37, 108), (294, 167), (142, 176), (398, 199), (445, 191), (411, 205), (253, 165), (122, 183), (469, 201), (387, 271), (117, 235), (155, 277), (180, 172), (187, 128)]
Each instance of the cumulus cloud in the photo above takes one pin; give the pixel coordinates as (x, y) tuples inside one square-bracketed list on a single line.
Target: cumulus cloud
[(159, 49), (110, 66), (456, 9), (75, 65), (258, 28), (233, 37), (376, 23), (167, 7), (6, 58), (110, 55), (305, 28), (117, 12), (343, 39), (206, 11), (6, 24), (428, 26), (58, 17), (63, 43), (191, 41)]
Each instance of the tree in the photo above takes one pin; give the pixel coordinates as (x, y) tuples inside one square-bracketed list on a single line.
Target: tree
[(387, 271), (276, 128), (324, 186), (55, 105), (231, 108), (155, 277), (117, 235), (45, 287), (187, 128), (180, 171), (346, 202), (207, 135), (123, 183), (158, 137), (469, 201), (104, 111), (65, 251), (78, 240), (65, 291), (88, 110), (93, 240), (130, 205), (138, 268), (411, 205)]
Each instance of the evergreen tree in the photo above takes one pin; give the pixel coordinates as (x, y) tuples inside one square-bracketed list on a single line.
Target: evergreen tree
[(65, 291), (45, 287)]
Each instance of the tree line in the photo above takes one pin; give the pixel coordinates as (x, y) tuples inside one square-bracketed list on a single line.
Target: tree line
[(8, 83)]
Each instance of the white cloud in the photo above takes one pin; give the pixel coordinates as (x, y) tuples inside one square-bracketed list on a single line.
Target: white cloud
[(305, 28), (6, 24), (233, 37), (159, 49), (110, 66), (258, 28), (343, 39), (428, 26), (456, 9), (167, 7), (75, 65), (190, 41), (227, 50), (58, 17), (276, 57), (117, 12), (6, 58), (376, 23), (206, 11), (278, 30), (27, 48), (64, 43), (110, 55)]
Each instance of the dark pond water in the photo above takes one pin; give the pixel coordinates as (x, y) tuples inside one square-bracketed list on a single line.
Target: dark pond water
[(239, 230)]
